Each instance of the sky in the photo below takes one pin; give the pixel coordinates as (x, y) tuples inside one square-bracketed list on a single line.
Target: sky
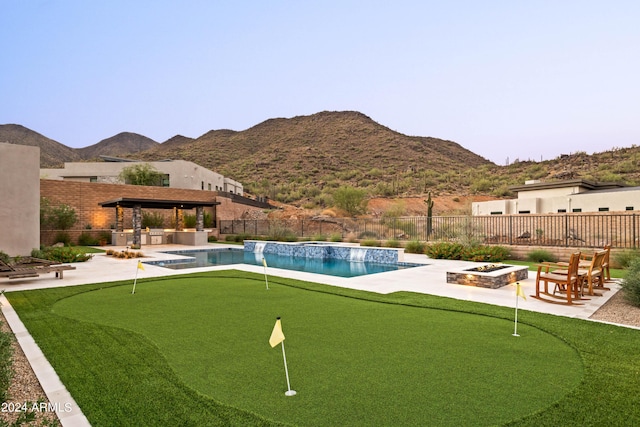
[(509, 80)]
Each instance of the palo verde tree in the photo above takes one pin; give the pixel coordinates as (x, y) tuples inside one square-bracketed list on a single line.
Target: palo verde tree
[(350, 199), (141, 174)]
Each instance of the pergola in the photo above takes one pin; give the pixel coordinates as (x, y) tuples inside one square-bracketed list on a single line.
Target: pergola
[(137, 205)]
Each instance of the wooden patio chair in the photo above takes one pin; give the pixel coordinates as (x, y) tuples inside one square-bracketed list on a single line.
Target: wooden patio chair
[(565, 278), (594, 277), (32, 267)]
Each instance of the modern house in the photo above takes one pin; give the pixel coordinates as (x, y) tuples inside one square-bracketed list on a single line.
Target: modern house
[(176, 174), (569, 196)]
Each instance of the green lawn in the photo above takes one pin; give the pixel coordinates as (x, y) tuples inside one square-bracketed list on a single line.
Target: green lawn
[(193, 350)]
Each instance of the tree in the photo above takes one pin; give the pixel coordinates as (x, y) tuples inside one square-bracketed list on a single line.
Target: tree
[(141, 174), (61, 217), (350, 199)]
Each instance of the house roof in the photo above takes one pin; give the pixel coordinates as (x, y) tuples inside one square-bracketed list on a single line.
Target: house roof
[(587, 185), (156, 204)]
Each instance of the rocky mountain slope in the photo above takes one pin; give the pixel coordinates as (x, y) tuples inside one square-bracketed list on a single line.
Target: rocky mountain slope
[(303, 159)]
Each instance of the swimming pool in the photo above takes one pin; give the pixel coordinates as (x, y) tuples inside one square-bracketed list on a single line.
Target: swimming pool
[(229, 256)]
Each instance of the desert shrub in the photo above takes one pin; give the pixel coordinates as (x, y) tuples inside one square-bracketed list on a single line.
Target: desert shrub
[(444, 250), (212, 239), (189, 221), (458, 251), (238, 238), (624, 258), (631, 283), (319, 237), (485, 253), (152, 220), (86, 239), (58, 254), (63, 237), (369, 242), (335, 237), (392, 243), (414, 247), (540, 255), (4, 257)]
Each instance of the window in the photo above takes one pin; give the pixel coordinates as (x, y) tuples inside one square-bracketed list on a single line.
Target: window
[(629, 208), (524, 212), (165, 180), (603, 209), (202, 185), (95, 179), (496, 213), (209, 186), (576, 210), (562, 210)]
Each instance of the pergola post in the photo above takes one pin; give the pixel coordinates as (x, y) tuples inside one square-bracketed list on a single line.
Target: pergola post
[(119, 218), (137, 226), (199, 218)]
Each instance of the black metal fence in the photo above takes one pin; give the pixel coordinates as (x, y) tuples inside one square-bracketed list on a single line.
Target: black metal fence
[(575, 230)]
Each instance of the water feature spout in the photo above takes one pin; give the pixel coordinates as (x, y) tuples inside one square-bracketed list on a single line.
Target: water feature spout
[(357, 254), (259, 247)]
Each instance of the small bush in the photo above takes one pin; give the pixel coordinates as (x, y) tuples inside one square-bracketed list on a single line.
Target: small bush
[(631, 283), (86, 239), (336, 237), (369, 242), (4, 257), (444, 250), (392, 243), (63, 237), (624, 258), (541, 255), (415, 247), (458, 251), (212, 239), (152, 220), (319, 238), (61, 255)]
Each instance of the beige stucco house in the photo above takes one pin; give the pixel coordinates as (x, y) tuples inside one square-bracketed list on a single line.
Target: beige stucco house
[(177, 174), (576, 195)]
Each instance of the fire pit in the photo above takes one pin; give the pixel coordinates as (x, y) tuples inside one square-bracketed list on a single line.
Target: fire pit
[(489, 276)]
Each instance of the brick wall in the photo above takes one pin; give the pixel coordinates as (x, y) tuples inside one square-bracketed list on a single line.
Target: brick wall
[(85, 197)]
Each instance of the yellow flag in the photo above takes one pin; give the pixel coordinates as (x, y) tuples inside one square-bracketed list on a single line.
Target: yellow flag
[(276, 336), (264, 262), (140, 266), (519, 291)]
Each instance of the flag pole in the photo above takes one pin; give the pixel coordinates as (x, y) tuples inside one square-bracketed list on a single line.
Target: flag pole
[(289, 392), (139, 267), (264, 263), (519, 293)]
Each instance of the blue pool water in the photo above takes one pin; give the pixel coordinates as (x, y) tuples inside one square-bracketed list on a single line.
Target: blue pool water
[(332, 267)]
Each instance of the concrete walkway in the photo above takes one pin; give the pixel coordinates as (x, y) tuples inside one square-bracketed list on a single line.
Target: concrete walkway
[(427, 279)]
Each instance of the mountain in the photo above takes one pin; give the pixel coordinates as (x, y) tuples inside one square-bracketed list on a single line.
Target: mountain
[(52, 153), (303, 159), (316, 149), (122, 144)]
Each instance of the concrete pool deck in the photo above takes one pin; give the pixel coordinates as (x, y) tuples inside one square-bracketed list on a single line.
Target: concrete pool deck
[(428, 279)]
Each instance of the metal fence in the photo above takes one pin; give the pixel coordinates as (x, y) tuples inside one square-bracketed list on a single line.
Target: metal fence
[(575, 230)]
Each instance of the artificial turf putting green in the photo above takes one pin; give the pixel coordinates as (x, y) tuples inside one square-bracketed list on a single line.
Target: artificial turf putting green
[(353, 361)]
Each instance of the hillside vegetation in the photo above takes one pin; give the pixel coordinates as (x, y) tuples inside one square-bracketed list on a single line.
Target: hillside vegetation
[(303, 160)]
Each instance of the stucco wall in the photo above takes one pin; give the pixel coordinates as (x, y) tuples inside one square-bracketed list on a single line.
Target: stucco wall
[(20, 199)]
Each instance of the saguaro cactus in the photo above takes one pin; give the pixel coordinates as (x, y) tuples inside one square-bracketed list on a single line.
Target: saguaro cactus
[(429, 203)]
